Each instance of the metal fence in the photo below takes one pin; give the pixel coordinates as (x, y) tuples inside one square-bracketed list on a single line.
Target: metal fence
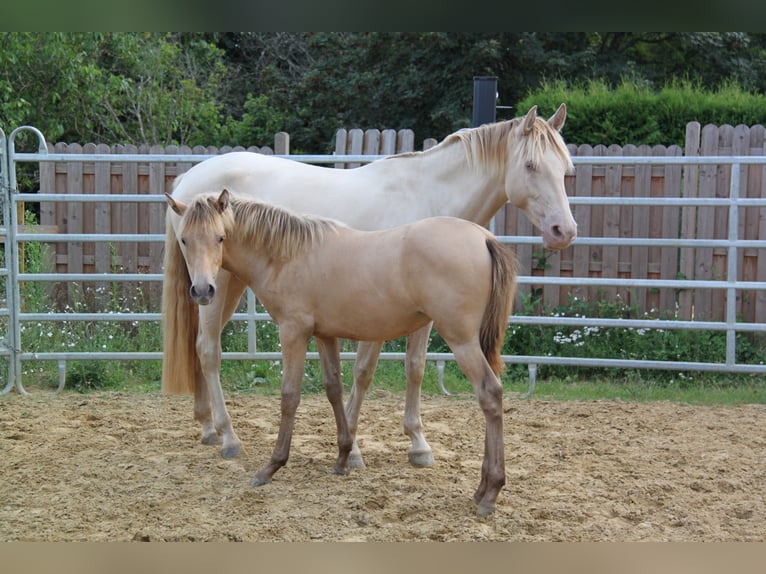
[(13, 236)]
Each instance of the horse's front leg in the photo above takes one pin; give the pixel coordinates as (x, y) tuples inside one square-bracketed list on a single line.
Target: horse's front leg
[(216, 429), (293, 360), (420, 453), (364, 369), (329, 355)]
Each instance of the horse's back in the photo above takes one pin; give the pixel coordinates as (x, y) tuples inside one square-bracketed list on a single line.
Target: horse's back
[(245, 173)]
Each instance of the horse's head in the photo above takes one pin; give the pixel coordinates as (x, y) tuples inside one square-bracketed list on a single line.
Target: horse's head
[(200, 230), (538, 162)]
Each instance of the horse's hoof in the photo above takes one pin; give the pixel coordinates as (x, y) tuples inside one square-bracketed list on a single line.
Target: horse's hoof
[(211, 439), (258, 481), (230, 451), (341, 471), (356, 461), (421, 459)]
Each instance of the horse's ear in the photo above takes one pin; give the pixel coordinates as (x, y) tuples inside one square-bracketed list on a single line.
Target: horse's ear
[(223, 200), (175, 205), (556, 121), (529, 120)]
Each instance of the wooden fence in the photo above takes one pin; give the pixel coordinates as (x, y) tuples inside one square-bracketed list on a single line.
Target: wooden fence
[(622, 261)]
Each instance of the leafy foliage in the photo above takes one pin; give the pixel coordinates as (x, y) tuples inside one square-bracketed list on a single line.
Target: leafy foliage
[(239, 88), (634, 113)]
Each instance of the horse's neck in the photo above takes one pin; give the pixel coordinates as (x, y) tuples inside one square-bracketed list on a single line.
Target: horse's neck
[(444, 184)]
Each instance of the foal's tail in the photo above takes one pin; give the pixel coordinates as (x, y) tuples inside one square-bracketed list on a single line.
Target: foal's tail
[(180, 319), (503, 290)]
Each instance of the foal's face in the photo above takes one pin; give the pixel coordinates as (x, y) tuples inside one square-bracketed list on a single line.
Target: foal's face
[(201, 242)]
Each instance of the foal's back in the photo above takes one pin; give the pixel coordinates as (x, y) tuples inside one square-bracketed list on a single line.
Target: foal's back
[(376, 285)]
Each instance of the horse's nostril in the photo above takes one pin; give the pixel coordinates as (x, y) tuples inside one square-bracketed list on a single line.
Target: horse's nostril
[(556, 230), (210, 291)]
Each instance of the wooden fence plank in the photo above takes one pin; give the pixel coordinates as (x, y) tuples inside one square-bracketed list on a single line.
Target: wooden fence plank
[(74, 212), (703, 261), (760, 231), (612, 220), (747, 262), (355, 145), (371, 142), (691, 176), (405, 141), (740, 146), (721, 222), (670, 264), (598, 183), (582, 213), (156, 218), (388, 142), (639, 255)]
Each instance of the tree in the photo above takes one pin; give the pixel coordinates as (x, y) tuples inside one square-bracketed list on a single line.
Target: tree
[(161, 89), (112, 88)]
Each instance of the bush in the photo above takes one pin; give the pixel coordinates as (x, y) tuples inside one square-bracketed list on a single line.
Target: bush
[(633, 113)]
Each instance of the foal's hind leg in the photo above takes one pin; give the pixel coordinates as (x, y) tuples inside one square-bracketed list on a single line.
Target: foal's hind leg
[(364, 369), (489, 392), (216, 429), (329, 354)]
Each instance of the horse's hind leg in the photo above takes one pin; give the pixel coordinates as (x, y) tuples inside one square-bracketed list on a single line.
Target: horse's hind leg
[(216, 429), (329, 354), (364, 369), (420, 453)]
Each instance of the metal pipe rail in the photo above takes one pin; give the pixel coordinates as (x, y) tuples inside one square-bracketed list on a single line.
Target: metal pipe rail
[(11, 348)]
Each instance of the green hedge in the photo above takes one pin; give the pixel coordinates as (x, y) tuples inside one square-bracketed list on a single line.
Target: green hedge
[(632, 113)]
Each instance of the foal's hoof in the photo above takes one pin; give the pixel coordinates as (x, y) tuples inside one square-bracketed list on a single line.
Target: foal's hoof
[(230, 451), (211, 439), (258, 481), (421, 459)]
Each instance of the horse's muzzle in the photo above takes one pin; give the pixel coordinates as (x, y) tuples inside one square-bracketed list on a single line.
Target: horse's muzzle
[(202, 295), (558, 235)]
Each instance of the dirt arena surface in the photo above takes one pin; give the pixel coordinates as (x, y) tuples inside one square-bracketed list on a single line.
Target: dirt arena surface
[(129, 467)]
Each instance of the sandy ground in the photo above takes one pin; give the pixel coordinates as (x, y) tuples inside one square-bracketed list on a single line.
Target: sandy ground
[(122, 467)]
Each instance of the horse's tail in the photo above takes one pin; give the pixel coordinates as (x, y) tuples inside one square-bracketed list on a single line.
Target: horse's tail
[(180, 320), (503, 290)]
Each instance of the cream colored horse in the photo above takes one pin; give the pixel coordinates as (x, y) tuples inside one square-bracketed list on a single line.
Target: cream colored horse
[(317, 277), (471, 174)]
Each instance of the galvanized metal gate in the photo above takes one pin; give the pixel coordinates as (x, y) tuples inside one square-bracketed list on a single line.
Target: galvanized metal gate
[(10, 331)]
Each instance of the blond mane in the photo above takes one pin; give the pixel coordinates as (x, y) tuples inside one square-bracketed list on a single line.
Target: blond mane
[(282, 233), (488, 146)]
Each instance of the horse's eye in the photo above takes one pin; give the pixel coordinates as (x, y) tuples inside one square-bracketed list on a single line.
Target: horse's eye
[(220, 239), (530, 166), (183, 241)]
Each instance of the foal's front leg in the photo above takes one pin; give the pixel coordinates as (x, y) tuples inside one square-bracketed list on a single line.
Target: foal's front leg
[(329, 355), (216, 429), (293, 360)]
